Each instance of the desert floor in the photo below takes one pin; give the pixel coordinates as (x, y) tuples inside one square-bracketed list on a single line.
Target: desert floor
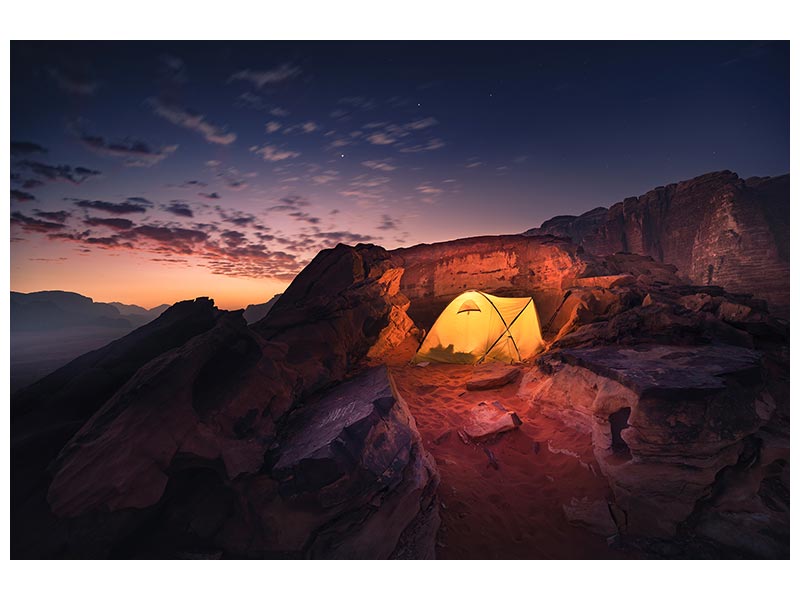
[(512, 510)]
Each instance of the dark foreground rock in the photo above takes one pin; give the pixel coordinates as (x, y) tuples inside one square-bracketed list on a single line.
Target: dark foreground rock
[(686, 436), (238, 441)]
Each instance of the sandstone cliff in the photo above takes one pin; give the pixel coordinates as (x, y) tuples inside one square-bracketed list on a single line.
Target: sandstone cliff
[(718, 229)]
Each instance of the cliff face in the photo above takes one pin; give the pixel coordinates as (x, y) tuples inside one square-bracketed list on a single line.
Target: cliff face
[(718, 229), (508, 265)]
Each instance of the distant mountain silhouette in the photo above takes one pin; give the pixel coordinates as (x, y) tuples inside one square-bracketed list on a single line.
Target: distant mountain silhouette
[(256, 312), (138, 311), (50, 328), (47, 310)]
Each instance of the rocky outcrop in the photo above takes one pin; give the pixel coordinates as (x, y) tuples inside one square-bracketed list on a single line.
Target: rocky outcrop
[(199, 435), (665, 420), (508, 265), (240, 441), (684, 391), (717, 229)]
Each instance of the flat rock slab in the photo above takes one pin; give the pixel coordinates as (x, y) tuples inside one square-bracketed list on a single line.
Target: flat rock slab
[(328, 437), (669, 371), (593, 515), (492, 376), (489, 419)]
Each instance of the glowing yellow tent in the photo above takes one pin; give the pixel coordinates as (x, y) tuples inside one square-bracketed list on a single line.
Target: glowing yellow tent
[(478, 327)]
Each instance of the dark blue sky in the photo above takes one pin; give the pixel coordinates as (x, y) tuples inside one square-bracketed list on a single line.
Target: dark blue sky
[(245, 158)]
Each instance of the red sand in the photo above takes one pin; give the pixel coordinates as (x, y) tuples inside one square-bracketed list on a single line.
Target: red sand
[(513, 512)]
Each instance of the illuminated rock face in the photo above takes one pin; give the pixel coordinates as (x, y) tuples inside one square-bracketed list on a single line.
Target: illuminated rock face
[(717, 229), (511, 265)]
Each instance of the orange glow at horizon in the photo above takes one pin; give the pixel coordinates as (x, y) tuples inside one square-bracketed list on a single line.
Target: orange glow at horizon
[(131, 278)]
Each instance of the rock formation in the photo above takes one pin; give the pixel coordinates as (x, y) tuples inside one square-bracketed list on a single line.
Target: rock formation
[(199, 435), (232, 440), (717, 229), (509, 265), (684, 390)]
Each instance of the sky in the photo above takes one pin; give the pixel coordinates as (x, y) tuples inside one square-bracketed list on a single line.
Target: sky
[(152, 172)]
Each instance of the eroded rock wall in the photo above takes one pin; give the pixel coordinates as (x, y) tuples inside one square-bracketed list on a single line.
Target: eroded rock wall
[(718, 229), (510, 265)]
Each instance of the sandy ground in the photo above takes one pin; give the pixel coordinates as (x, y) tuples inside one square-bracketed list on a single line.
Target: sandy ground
[(513, 511)]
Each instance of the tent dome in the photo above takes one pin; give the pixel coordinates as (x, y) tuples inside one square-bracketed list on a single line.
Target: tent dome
[(477, 327)]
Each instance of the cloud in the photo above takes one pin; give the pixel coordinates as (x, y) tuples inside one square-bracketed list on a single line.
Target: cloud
[(21, 196), (73, 82), (180, 209), (379, 165), (290, 203), (173, 69), (238, 218), (29, 184), (189, 184), (233, 238), (325, 177), (135, 153), (472, 165), (261, 78), (390, 134), (427, 188), (60, 216), (112, 223), (387, 223), (178, 237), (273, 126), (381, 139), (422, 123), (307, 127), (18, 148), (231, 177), (33, 225), (279, 112), (433, 144), (358, 102), (129, 206), (331, 238), (183, 117), (273, 153), (211, 196), (304, 216), (66, 173)]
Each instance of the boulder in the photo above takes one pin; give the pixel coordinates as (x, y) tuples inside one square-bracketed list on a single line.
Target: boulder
[(492, 376), (594, 515), (488, 419), (664, 420)]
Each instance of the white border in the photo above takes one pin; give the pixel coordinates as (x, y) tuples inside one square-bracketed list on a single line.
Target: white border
[(413, 19)]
